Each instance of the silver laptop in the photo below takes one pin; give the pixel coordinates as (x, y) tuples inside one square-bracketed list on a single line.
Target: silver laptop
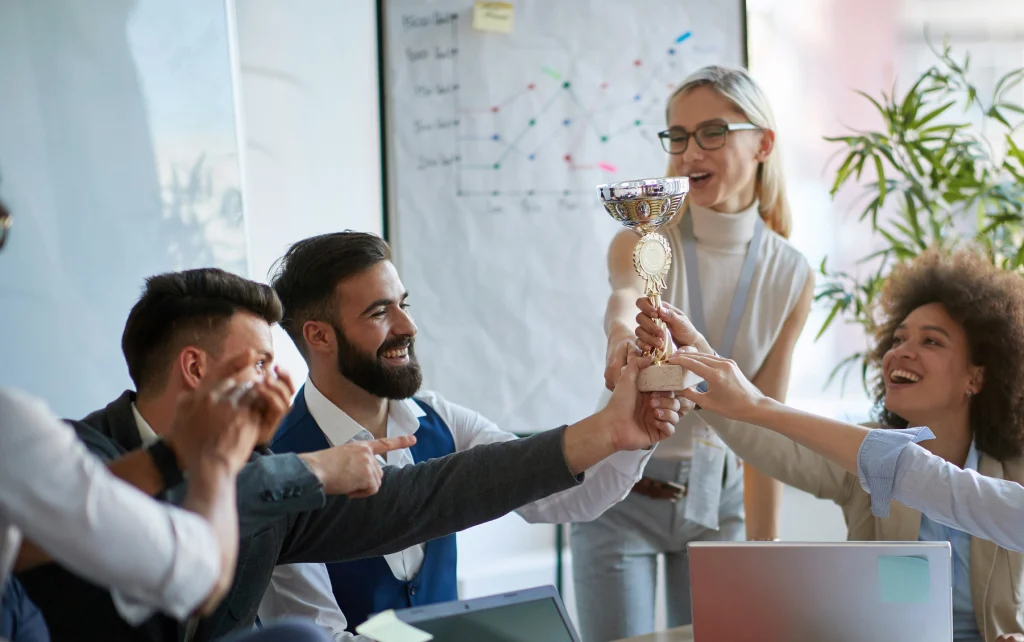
[(531, 615), (840, 592)]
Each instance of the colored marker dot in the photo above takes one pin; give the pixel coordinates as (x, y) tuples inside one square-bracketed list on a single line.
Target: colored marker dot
[(636, 122), (566, 85), (494, 110), (671, 52), (566, 122), (566, 192), (637, 63), (636, 98), (532, 156), (531, 86), (497, 166), (604, 85), (568, 158), (533, 121), (604, 139), (529, 193), (496, 137), (495, 193)]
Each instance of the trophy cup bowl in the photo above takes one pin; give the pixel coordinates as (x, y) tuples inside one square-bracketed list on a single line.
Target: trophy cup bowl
[(645, 205)]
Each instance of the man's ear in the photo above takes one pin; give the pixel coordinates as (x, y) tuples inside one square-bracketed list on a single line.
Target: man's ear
[(193, 364), (319, 336)]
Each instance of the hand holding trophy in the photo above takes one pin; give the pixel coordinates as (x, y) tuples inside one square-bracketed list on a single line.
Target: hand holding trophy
[(646, 205)]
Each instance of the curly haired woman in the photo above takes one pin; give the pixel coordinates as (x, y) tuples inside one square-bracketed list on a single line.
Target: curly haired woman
[(949, 350)]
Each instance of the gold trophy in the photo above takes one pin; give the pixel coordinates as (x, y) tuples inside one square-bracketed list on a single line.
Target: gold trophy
[(645, 206)]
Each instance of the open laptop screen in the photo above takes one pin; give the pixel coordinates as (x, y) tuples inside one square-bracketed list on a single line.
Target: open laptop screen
[(526, 616)]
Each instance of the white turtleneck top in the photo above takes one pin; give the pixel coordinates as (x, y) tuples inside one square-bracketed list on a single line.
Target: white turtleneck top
[(779, 278)]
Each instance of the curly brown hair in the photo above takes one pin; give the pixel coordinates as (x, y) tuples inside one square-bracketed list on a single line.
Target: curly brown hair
[(988, 303)]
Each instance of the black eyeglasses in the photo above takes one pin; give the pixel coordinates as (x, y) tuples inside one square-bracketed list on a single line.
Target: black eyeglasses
[(6, 221), (709, 137)]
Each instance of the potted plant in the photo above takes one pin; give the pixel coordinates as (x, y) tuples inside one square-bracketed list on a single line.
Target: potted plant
[(929, 181)]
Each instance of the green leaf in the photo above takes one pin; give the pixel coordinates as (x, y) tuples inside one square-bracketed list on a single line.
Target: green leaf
[(930, 116), (836, 307), (993, 113), (844, 173), (882, 187), (1017, 109), (910, 213), (843, 365), (1008, 82), (1018, 258), (881, 110), (902, 252), (860, 165), (883, 253)]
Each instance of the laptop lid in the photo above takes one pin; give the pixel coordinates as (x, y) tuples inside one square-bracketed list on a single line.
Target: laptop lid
[(809, 592), (520, 616)]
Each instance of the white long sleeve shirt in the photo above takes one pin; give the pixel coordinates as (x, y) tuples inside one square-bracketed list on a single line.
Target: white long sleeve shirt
[(305, 589), (153, 556), (892, 466)]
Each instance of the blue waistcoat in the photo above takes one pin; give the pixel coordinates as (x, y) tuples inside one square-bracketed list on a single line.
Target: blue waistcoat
[(368, 586)]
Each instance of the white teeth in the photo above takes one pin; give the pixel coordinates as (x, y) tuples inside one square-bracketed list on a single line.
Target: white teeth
[(699, 176), (903, 376), (395, 354)]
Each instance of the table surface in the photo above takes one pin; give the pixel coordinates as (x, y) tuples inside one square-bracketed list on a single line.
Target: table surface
[(681, 634)]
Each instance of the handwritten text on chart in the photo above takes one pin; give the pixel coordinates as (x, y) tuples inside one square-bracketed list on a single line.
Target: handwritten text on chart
[(440, 90), (439, 53), (435, 19), (438, 124), (439, 160)]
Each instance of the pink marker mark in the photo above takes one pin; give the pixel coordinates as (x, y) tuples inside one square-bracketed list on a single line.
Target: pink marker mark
[(608, 167)]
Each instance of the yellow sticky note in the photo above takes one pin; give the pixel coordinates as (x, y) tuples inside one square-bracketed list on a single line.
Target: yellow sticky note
[(386, 627), (493, 16)]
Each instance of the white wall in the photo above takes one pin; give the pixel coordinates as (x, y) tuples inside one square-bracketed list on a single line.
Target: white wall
[(311, 119)]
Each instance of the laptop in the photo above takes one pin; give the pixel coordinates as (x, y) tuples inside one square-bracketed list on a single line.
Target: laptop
[(803, 592), (530, 615)]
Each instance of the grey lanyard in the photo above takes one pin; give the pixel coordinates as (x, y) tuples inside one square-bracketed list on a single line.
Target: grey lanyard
[(739, 299)]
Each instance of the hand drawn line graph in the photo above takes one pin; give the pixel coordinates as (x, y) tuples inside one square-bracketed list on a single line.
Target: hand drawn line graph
[(564, 128)]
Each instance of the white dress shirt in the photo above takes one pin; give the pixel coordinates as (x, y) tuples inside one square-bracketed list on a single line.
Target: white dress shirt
[(892, 466), (153, 556), (304, 589)]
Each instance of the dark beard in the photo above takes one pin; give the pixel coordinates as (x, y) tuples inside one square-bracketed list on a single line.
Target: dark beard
[(369, 372)]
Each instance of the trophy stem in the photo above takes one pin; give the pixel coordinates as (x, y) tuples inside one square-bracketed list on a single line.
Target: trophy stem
[(659, 354)]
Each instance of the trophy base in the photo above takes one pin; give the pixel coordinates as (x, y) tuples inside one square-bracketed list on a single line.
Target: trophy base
[(665, 378)]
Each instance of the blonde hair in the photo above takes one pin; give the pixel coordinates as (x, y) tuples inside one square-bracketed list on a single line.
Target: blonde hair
[(736, 86)]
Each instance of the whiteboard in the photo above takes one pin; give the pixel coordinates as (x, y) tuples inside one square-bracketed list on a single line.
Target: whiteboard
[(119, 160), (495, 144)]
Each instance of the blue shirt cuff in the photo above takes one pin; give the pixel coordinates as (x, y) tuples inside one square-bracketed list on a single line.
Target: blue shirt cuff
[(878, 459)]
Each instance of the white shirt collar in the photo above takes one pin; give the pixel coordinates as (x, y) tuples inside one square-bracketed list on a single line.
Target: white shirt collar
[(339, 428), (146, 432)]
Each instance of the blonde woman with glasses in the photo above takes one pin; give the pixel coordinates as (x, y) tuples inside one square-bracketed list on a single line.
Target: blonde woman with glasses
[(746, 289)]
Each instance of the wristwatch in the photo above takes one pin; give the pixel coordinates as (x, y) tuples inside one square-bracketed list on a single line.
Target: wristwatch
[(166, 462)]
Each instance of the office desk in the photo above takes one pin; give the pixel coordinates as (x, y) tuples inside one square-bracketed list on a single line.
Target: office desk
[(681, 634)]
